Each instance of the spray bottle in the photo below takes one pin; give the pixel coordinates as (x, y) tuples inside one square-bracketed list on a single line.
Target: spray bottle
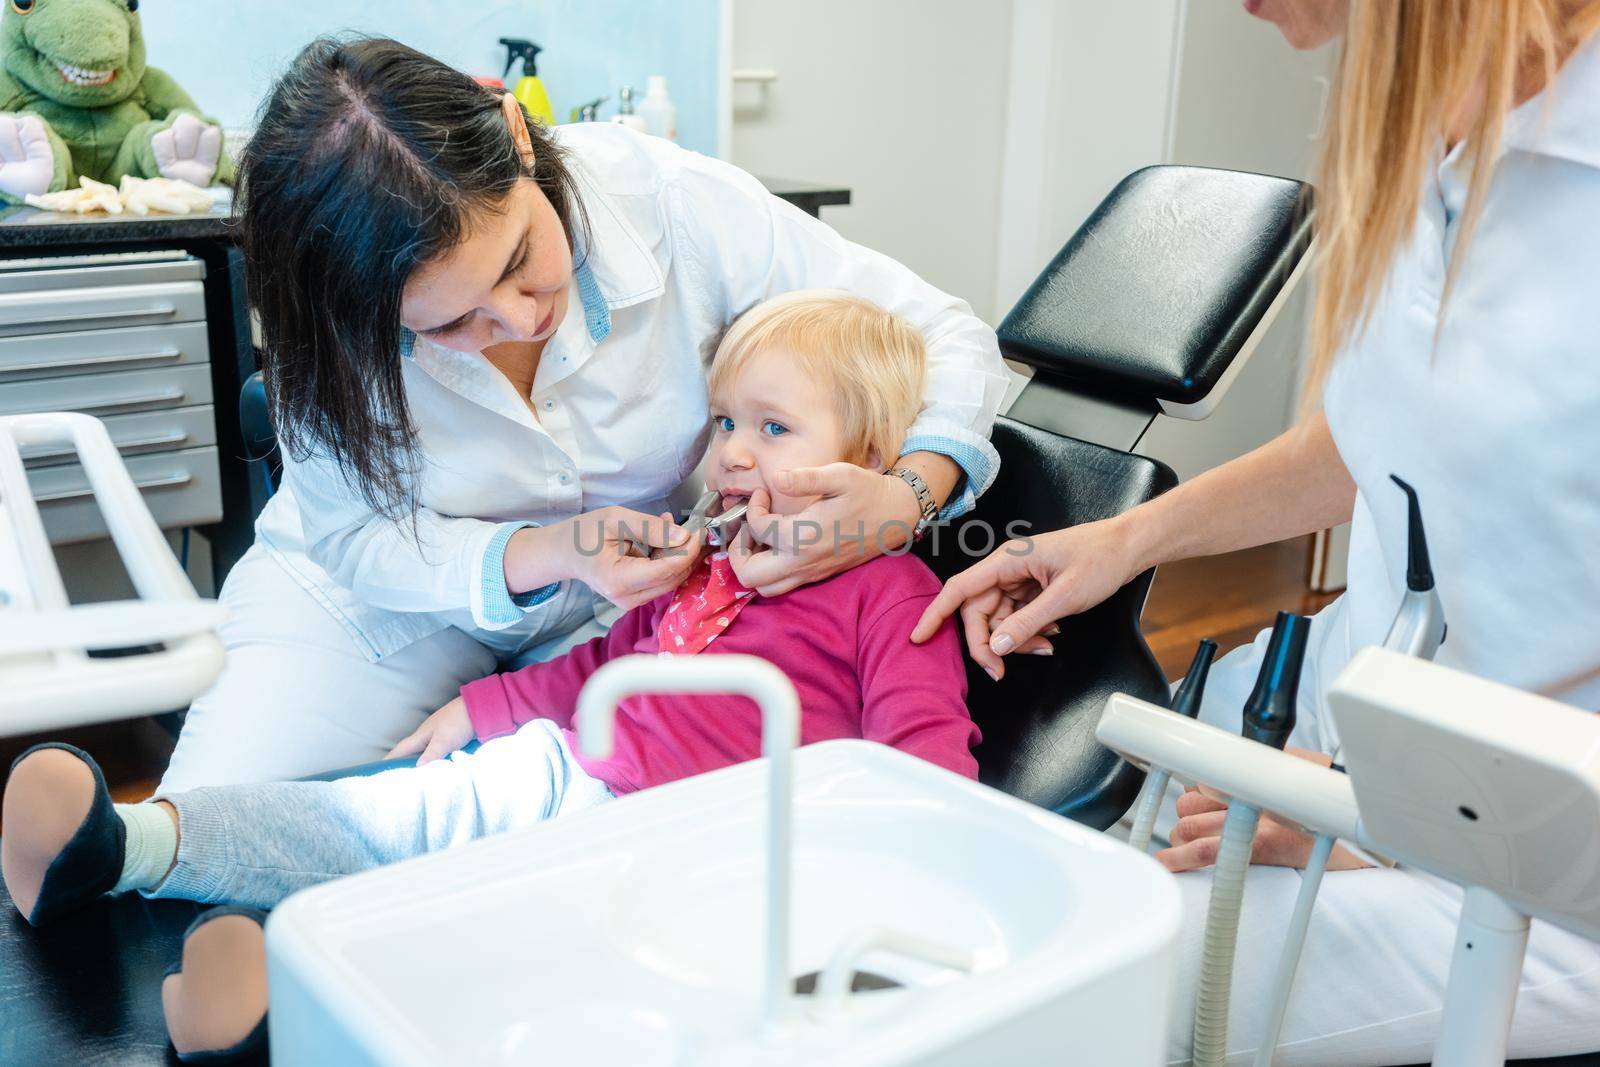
[(529, 89)]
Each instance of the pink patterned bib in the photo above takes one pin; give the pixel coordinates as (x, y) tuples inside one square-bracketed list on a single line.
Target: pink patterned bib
[(704, 605)]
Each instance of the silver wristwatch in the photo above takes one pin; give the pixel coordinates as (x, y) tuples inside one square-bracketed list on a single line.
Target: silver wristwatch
[(925, 501)]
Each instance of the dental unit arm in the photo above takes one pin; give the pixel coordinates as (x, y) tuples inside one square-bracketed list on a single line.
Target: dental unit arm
[(1461, 777), (50, 682), (1418, 630)]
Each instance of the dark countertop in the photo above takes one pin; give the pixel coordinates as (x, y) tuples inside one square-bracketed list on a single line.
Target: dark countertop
[(31, 228), (807, 196)]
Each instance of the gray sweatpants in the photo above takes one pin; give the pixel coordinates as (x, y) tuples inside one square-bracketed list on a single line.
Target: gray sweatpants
[(256, 844)]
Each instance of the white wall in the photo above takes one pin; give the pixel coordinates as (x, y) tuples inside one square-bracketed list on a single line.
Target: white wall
[(227, 52), (1247, 101), (901, 100), (1089, 84), (978, 137)]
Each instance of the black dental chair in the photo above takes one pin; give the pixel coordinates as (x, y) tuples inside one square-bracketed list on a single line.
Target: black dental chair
[(1157, 299)]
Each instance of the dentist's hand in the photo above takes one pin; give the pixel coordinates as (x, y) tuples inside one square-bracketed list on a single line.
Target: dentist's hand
[(1014, 595), (1198, 834), (440, 734), (602, 549), (859, 514)]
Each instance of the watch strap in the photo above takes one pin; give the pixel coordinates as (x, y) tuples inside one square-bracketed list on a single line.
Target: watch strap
[(925, 501)]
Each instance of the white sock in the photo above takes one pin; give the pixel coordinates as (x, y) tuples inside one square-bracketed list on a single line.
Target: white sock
[(152, 846)]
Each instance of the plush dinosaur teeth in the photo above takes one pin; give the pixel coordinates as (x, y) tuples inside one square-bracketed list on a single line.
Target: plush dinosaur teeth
[(80, 76)]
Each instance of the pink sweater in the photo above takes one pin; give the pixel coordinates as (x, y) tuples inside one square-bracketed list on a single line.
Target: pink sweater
[(843, 642)]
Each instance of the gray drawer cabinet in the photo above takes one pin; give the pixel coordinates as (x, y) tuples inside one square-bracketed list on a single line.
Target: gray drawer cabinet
[(180, 488), (123, 338), (109, 394), (145, 431), (98, 351)]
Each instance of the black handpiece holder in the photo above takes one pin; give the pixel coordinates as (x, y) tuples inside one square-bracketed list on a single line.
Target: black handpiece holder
[(1269, 714), (1186, 701)]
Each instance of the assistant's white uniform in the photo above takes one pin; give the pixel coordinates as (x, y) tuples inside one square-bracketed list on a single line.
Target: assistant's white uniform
[(344, 634), (1500, 434)]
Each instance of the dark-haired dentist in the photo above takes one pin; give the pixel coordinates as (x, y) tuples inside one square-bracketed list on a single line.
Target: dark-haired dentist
[(342, 639)]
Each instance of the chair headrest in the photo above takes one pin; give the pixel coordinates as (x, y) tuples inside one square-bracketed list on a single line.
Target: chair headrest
[(1159, 290)]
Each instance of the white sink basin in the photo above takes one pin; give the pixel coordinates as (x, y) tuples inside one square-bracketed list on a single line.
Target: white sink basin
[(632, 933)]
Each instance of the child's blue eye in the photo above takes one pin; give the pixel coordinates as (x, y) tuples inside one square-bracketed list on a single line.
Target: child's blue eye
[(724, 424), (774, 429)]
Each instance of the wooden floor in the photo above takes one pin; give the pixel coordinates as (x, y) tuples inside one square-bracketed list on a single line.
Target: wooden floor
[(1226, 598)]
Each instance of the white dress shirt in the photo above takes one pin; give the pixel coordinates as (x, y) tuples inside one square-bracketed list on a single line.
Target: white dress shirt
[(679, 245)]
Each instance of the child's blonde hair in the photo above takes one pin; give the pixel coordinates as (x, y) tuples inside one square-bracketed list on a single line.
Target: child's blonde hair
[(874, 361)]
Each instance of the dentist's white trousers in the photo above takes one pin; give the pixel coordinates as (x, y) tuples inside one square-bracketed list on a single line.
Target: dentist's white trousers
[(1372, 975)]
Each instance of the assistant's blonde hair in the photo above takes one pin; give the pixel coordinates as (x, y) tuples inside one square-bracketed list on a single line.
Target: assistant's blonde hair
[(1407, 70), (874, 362)]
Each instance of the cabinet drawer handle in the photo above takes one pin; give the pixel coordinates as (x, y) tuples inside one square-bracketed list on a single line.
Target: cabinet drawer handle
[(149, 311), (131, 401), (163, 355), (176, 437), (166, 395), (174, 482)]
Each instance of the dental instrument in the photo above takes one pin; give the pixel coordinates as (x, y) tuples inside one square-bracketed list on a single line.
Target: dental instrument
[(1269, 717), (1185, 702), (50, 681), (1418, 630), (700, 518), (1419, 626)]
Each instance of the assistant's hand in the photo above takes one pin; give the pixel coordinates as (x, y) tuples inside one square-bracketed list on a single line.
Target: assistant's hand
[(1198, 834), (440, 734), (859, 515), (1020, 589)]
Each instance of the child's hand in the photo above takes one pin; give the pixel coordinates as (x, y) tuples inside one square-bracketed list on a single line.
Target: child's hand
[(440, 734)]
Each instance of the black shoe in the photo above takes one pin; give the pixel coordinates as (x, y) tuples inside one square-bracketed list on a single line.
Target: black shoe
[(252, 1042), (89, 865)]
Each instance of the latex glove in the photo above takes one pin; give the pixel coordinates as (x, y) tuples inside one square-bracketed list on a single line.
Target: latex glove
[(89, 197), (188, 150), (857, 515), (440, 734), (1198, 834), (27, 160), (1020, 589), (141, 196)]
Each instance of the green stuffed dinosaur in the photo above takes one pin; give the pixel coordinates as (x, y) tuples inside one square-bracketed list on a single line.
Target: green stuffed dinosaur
[(77, 99)]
